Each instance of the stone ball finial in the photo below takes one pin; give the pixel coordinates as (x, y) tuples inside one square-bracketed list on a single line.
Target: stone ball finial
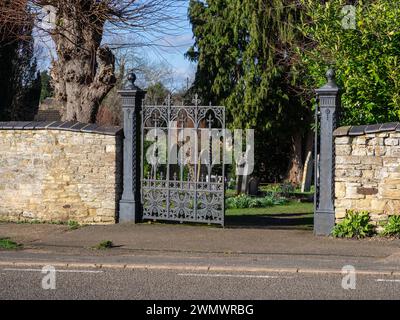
[(132, 78), (331, 85), (330, 75), (130, 84)]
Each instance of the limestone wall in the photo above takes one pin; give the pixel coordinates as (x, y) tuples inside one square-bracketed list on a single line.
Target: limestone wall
[(60, 171), (367, 170)]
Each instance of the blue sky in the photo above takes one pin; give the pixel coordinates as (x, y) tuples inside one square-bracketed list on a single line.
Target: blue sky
[(173, 47), (167, 48), (166, 45)]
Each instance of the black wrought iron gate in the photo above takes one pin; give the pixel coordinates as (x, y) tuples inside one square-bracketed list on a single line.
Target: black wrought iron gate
[(183, 168)]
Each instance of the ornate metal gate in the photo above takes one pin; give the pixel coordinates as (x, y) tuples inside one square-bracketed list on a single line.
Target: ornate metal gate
[(183, 178)]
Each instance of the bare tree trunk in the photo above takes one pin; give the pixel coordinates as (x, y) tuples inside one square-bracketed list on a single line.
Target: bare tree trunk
[(300, 149), (308, 162), (309, 142), (295, 171), (84, 72)]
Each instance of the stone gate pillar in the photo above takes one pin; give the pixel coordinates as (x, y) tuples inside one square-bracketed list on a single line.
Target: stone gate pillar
[(329, 104), (130, 204)]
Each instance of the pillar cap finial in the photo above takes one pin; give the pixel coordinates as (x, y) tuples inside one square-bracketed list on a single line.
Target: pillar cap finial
[(331, 85), (132, 78), (330, 75), (131, 81)]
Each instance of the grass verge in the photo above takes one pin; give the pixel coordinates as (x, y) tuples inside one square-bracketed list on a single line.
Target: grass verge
[(290, 208), (293, 215)]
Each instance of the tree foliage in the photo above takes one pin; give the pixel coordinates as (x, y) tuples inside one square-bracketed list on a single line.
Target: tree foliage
[(248, 60), (156, 94), (84, 71), (20, 83), (47, 89), (366, 58)]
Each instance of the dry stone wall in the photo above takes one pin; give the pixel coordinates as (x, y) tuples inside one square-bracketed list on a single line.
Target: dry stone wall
[(367, 170), (59, 172)]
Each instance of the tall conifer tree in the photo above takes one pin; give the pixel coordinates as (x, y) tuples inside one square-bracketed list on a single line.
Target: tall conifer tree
[(247, 54)]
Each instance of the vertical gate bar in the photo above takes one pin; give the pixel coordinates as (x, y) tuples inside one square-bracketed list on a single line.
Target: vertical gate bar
[(181, 140), (196, 150), (168, 153), (209, 150), (142, 177), (156, 154), (223, 167)]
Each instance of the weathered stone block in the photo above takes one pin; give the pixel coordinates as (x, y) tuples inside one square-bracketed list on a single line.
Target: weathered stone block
[(340, 214), (382, 135), (343, 140), (378, 205), (359, 151), (377, 161), (368, 175), (394, 152), (381, 174), (367, 191), (343, 150), (352, 193), (391, 142), (391, 162), (392, 207), (393, 194), (340, 190), (348, 160)]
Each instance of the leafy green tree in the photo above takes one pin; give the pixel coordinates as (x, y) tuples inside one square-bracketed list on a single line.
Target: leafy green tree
[(19, 80), (7, 88), (363, 48), (248, 61), (156, 93), (47, 89)]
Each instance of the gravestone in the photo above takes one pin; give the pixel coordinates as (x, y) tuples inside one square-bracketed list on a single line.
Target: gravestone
[(253, 186), (242, 179), (307, 173), (241, 184)]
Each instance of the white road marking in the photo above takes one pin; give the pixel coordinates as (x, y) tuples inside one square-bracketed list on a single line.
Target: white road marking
[(63, 271), (221, 275), (387, 280)]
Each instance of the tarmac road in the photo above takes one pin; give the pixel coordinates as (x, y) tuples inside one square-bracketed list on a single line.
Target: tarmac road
[(26, 283)]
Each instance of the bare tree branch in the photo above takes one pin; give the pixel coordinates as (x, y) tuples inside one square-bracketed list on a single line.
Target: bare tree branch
[(83, 73)]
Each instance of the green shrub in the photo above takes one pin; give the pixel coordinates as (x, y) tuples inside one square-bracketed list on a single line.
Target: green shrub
[(287, 188), (244, 201), (392, 227), (240, 202), (283, 189), (73, 225), (354, 225)]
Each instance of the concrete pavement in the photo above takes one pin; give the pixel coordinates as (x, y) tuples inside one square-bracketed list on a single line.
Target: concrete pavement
[(173, 247)]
